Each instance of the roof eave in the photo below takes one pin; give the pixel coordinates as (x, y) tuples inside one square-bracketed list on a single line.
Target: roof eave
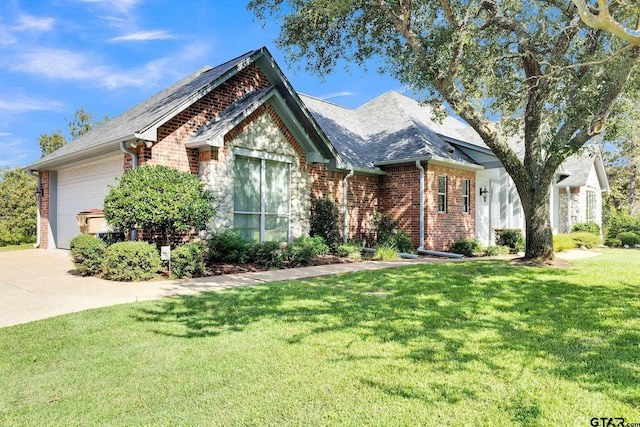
[(431, 159)]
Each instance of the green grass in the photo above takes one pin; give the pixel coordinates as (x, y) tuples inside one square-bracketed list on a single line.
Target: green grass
[(473, 343), (16, 247)]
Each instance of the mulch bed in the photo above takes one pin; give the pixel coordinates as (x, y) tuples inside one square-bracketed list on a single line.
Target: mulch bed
[(220, 268)]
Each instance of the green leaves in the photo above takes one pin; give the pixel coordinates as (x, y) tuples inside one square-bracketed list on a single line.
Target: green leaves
[(162, 200)]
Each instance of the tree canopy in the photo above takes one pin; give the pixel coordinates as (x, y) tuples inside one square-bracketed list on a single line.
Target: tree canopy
[(515, 70), (81, 123), (17, 207)]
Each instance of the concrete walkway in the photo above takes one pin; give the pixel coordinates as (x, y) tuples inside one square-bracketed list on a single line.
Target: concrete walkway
[(37, 284)]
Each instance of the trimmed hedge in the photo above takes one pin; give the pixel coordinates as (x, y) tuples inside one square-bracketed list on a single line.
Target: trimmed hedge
[(228, 246), (87, 252), (188, 260), (629, 238), (466, 247), (131, 261)]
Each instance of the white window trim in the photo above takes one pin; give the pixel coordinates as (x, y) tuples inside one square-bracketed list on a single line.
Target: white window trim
[(466, 199), (263, 155), (442, 194)]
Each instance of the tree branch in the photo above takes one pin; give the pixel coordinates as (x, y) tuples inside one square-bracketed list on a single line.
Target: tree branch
[(604, 21)]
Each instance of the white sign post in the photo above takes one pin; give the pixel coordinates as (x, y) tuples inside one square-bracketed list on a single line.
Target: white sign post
[(165, 255)]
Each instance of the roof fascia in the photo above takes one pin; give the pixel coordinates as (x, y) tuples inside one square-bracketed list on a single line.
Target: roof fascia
[(434, 160)]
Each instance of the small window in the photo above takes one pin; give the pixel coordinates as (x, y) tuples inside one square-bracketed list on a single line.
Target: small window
[(591, 206), (442, 194), (466, 184)]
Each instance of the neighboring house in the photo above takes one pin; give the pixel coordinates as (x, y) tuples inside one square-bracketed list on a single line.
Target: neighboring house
[(266, 152)]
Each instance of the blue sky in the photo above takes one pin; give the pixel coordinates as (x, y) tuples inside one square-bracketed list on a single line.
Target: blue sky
[(108, 55)]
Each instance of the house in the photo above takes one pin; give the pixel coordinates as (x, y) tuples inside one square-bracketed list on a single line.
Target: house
[(265, 152)]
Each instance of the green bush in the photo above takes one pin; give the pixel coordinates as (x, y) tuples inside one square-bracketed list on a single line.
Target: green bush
[(269, 254), (586, 239), (612, 242), (302, 250), (188, 260), (17, 207), (512, 238), (563, 242), (628, 238), (161, 200), (316, 243), (324, 221), (466, 247), (588, 227), (388, 233), (228, 246), (386, 253), (352, 251), (497, 250), (622, 222), (131, 261), (87, 252)]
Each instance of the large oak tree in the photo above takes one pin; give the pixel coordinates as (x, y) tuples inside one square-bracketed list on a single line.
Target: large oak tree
[(529, 69)]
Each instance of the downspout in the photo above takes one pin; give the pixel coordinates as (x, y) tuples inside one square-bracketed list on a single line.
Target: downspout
[(569, 225), (346, 206), (421, 169), (134, 164), (38, 198)]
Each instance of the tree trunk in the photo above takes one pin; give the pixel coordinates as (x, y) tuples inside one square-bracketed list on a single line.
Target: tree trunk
[(539, 235)]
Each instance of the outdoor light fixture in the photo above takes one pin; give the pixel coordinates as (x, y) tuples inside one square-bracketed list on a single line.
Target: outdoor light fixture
[(484, 192)]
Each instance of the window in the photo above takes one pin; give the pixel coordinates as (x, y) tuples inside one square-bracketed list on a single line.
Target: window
[(466, 185), (442, 194), (590, 214), (261, 199)]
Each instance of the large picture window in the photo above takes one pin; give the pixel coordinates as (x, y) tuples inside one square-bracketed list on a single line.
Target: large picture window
[(442, 194), (261, 199)]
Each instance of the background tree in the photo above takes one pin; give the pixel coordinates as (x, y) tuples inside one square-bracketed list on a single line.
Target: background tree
[(81, 123), (161, 200), (17, 207), (525, 68)]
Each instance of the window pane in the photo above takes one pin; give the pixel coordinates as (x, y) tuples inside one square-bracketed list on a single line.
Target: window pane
[(248, 226), (276, 228), (442, 184), (277, 187), (247, 185)]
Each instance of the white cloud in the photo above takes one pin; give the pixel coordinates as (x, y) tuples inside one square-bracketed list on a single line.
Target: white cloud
[(57, 64), (21, 104), (28, 22), (336, 95), (144, 36), (115, 6)]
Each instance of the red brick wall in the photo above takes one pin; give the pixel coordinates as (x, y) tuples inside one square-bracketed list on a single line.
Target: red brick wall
[(362, 197), (170, 150), (44, 210), (400, 198), (442, 229)]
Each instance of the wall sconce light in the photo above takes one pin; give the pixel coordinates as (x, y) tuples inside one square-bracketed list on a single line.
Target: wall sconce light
[(484, 192), (39, 191)]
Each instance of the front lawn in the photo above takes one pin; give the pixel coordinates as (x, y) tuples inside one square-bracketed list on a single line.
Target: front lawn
[(16, 247), (481, 343)]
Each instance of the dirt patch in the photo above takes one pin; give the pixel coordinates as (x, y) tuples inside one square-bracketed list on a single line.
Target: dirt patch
[(555, 263)]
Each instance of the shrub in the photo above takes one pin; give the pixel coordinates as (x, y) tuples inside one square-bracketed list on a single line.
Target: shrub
[(316, 243), (87, 252), (269, 254), (352, 251), (129, 261), (588, 227), (466, 247), (228, 246), (388, 233), (628, 238), (386, 253), (188, 260), (325, 217), (512, 238), (563, 242), (612, 242), (497, 250), (622, 222), (586, 239), (162, 200)]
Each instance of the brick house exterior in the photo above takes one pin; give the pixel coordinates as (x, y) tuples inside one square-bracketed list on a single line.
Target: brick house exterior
[(246, 111)]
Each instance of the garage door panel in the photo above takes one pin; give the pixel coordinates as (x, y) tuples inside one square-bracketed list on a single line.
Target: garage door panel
[(82, 188)]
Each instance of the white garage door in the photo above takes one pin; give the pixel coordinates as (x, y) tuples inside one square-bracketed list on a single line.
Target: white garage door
[(82, 188)]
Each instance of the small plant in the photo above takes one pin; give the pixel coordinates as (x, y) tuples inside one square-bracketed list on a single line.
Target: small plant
[(466, 247), (269, 254), (316, 243), (303, 249), (612, 242), (563, 242), (188, 260), (388, 232), (386, 253), (228, 246), (628, 238), (512, 238), (325, 217), (495, 250), (586, 239), (87, 252), (353, 251), (131, 261), (588, 227)]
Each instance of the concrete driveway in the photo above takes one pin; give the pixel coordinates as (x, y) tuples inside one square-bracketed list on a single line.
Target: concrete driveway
[(37, 284)]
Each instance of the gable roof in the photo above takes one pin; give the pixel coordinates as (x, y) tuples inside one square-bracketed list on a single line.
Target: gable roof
[(577, 168), (394, 129)]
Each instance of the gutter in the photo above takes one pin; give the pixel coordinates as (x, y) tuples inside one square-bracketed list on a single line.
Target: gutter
[(346, 209), (421, 169), (38, 198), (436, 160), (134, 165)]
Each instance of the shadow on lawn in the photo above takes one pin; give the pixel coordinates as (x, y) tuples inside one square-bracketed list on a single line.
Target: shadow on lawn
[(447, 315)]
